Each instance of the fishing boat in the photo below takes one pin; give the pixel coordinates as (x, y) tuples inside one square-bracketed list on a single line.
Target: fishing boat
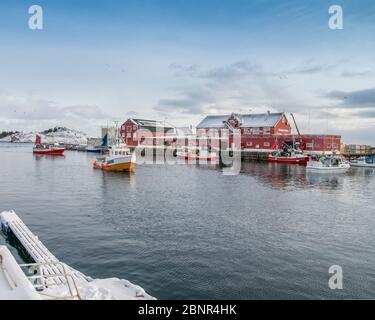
[(290, 153), (328, 164), (365, 162), (197, 153), (119, 159), (290, 157), (46, 148)]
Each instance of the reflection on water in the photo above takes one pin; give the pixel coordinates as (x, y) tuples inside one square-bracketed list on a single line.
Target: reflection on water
[(188, 231)]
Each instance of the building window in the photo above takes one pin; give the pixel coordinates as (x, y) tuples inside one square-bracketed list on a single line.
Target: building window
[(129, 135), (255, 130), (267, 130), (310, 145), (250, 144), (257, 146), (129, 129), (267, 144)]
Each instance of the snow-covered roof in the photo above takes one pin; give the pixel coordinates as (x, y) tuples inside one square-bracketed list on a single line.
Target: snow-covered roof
[(247, 120), (151, 123)]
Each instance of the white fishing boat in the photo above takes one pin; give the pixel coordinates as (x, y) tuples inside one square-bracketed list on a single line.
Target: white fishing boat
[(365, 162), (47, 278), (119, 159), (328, 164)]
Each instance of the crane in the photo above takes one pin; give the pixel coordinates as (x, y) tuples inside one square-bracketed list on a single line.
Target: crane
[(295, 123)]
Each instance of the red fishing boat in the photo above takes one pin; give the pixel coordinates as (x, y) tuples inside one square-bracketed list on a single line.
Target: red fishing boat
[(45, 148), (291, 153), (300, 159)]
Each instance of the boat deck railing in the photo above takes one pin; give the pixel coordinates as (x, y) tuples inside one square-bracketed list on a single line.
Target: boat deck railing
[(41, 280), (50, 272)]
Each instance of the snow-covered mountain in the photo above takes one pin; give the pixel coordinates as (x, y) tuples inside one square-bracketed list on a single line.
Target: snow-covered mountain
[(61, 135)]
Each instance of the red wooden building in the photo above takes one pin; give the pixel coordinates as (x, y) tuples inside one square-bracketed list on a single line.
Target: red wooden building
[(136, 132), (265, 132), (250, 124)]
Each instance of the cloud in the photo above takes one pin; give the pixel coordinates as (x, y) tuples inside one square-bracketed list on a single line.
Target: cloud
[(132, 113), (311, 69), (237, 70), (194, 101), (354, 99), (367, 114), (85, 112), (191, 70), (246, 69), (30, 113), (238, 86), (351, 74)]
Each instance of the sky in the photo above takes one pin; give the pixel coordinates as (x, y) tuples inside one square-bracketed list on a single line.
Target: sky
[(178, 60)]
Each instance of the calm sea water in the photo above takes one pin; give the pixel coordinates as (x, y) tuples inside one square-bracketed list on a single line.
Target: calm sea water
[(190, 232)]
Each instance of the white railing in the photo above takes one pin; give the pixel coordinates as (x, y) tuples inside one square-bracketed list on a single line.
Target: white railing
[(41, 283)]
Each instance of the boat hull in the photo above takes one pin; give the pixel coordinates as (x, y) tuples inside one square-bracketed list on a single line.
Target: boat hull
[(116, 167), (93, 150), (363, 165), (51, 152), (120, 167), (289, 160), (327, 169)]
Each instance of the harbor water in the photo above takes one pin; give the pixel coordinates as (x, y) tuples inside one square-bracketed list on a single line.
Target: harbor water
[(190, 232)]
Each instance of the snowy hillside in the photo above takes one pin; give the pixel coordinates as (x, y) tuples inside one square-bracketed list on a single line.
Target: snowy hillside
[(61, 135)]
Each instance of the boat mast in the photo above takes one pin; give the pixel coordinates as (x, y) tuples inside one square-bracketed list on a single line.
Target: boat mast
[(117, 137)]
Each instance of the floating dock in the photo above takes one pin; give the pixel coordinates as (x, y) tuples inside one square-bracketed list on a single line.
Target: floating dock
[(51, 278)]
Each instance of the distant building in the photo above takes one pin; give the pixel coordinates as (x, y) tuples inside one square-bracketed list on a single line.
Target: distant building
[(147, 132), (358, 149)]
